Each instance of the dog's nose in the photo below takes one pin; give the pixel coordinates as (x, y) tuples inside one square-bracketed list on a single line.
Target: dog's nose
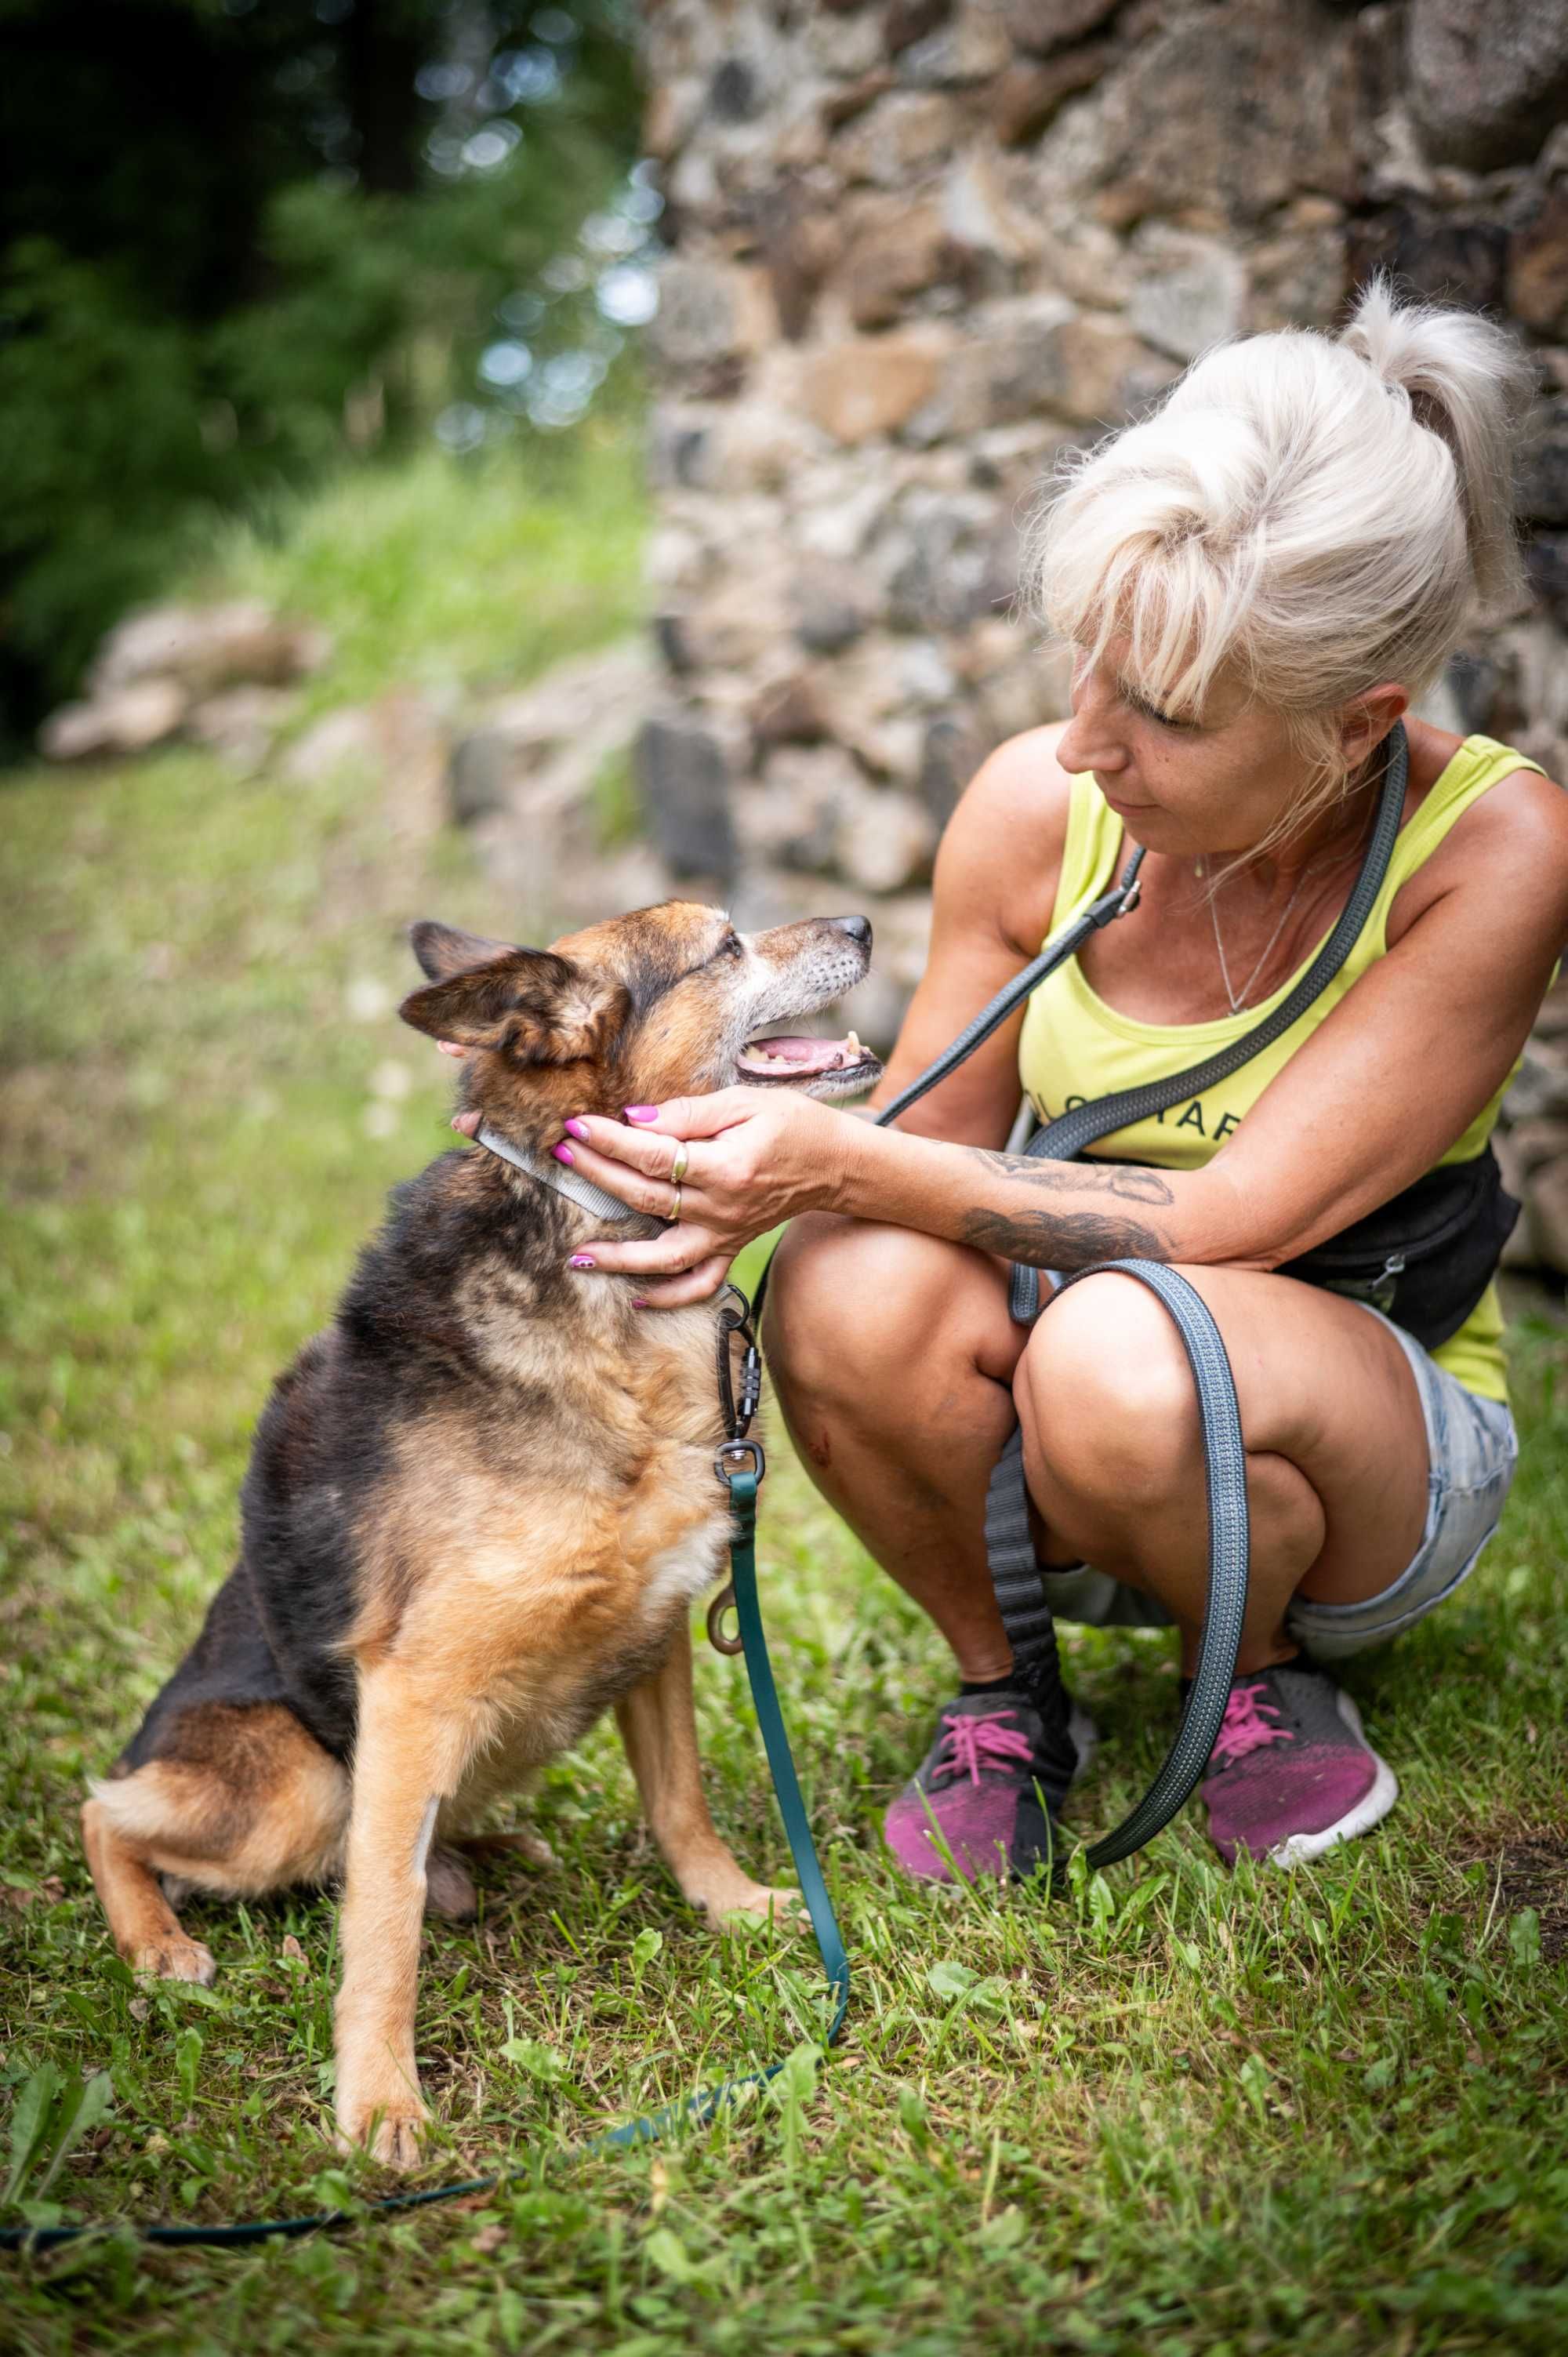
[(857, 928)]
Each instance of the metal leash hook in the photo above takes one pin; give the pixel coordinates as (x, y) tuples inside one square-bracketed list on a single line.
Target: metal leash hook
[(735, 1319)]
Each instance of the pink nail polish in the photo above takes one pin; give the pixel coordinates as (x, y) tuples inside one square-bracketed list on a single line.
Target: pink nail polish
[(574, 1128), (582, 1260), (563, 1154), (638, 1303), (640, 1112)]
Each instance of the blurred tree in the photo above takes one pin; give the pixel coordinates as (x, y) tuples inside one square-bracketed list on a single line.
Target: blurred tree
[(241, 238)]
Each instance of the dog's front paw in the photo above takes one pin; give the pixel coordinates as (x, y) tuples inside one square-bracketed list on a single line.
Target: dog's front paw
[(738, 1895), (176, 1958), (391, 2128)]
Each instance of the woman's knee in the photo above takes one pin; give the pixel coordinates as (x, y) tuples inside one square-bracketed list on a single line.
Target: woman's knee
[(1106, 1399), (850, 1302)]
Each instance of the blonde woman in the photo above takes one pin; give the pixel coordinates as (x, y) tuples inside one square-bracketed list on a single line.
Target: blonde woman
[(1260, 581)]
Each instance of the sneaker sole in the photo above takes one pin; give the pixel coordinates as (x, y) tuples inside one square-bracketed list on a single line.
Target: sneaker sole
[(1369, 1811)]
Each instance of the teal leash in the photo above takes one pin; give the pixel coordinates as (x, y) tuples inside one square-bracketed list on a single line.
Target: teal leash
[(740, 1465)]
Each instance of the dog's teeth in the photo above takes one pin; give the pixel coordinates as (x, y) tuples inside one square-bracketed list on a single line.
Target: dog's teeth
[(853, 1044)]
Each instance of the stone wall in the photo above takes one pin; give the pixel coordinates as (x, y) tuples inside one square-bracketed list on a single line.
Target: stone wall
[(917, 248)]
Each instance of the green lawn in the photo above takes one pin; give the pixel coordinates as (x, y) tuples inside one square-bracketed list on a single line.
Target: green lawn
[(1177, 2110)]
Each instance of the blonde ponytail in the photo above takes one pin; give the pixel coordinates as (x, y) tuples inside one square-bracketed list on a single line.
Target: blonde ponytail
[(1469, 383)]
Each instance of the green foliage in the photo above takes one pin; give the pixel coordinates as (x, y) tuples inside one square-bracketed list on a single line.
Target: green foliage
[(433, 570), (281, 253)]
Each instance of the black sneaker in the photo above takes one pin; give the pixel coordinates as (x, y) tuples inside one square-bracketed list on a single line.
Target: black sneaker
[(989, 1789)]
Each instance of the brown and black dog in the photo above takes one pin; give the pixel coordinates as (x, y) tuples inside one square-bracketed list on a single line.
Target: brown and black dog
[(479, 1506)]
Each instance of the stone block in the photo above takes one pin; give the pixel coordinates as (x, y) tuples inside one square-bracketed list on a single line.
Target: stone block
[(789, 710), (899, 137), (978, 213), (871, 385), (1047, 25), (1487, 86), (831, 605), (972, 46), (893, 250), (1539, 1090), (206, 648), (710, 312), (885, 841), (684, 783), (1543, 467), (1537, 266), (1547, 1211), (946, 561), (1231, 111), (1443, 257), (1192, 292), (1026, 95), (954, 748), (116, 721), (1546, 569)]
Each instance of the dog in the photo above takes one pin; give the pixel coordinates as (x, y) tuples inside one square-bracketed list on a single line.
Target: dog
[(479, 1508)]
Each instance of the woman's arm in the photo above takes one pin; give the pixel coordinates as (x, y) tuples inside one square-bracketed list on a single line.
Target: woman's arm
[(1383, 1087), (993, 890), (1373, 1099)]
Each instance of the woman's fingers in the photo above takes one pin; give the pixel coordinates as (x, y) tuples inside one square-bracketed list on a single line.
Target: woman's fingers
[(699, 1116), (699, 1284), (626, 1180), (676, 1252), (653, 1152)]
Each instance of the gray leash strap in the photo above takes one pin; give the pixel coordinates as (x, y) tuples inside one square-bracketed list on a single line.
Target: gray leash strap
[(1065, 1138), (1021, 1587)]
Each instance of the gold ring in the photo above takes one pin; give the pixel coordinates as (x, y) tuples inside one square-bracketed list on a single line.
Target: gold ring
[(675, 1211), (678, 1168)]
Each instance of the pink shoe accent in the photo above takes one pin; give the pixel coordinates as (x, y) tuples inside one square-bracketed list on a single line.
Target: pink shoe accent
[(1291, 1772), (970, 1744), (1243, 1728)]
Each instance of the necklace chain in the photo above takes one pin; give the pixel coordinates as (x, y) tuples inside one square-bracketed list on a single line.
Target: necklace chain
[(1239, 998)]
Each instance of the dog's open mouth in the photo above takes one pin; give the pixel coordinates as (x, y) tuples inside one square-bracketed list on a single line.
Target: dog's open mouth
[(791, 1057)]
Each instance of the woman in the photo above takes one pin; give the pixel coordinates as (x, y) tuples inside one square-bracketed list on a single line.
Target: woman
[(1258, 580)]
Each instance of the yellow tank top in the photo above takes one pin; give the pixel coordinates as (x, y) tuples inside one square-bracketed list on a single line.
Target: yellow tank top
[(1073, 1047)]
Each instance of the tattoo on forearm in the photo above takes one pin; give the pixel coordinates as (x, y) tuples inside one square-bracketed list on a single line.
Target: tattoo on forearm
[(1128, 1180), (1069, 1239)]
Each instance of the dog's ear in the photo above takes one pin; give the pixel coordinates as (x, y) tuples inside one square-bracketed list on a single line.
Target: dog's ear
[(535, 1006), (445, 949)]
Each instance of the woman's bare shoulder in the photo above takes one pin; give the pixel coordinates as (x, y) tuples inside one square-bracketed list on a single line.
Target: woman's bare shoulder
[(1003, 847), (1505, 856)]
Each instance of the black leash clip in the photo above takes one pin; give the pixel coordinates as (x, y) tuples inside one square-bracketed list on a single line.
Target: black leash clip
[(735, 1318), (739, 1454)]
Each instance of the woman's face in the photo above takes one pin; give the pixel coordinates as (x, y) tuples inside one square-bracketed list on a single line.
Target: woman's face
[(1217, 786)]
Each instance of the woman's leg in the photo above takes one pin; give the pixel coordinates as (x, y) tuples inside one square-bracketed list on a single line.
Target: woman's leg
[(892, 1355), (894, 1358), (1336, 1454)]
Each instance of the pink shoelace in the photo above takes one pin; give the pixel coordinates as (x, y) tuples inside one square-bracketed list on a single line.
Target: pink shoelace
[(980, 1740), (1244, 1729)]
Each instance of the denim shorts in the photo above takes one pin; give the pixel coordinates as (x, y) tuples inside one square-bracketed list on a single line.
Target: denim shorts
[(1471, 1452)]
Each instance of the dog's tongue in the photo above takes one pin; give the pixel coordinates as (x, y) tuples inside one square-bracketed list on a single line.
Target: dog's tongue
[(801, 1054)]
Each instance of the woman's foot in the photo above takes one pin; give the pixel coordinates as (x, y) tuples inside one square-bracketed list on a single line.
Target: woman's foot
[(989, 1789), (1291, 1772)]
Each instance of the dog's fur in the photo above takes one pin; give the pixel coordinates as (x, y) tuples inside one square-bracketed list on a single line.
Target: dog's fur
[(479, 1507)]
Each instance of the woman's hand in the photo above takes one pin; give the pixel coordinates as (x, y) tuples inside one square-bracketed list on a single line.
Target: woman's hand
[(754, 1156)]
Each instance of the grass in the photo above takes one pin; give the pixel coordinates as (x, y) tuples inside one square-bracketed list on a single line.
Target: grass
[(440, 573), (1177, 2110)]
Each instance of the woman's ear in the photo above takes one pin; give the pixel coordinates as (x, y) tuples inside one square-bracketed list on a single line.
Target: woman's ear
[(1365, 722)]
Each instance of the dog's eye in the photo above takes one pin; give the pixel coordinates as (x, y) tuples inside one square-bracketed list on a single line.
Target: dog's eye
[(730, 946)]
